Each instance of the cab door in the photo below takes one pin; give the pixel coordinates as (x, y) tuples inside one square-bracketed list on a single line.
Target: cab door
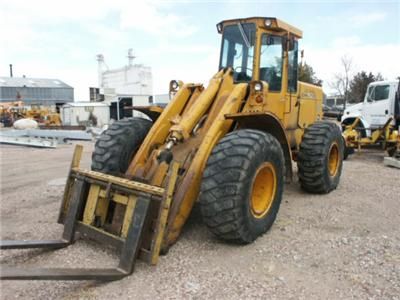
[(376, 108), (292, 95), (271, 70)]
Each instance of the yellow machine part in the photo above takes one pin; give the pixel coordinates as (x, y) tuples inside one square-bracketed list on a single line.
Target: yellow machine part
[(144, 210), (185, 132), (195, 120), (385, 135), (220, 98)]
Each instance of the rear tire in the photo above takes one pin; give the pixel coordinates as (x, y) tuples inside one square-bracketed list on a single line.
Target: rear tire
[(242, 185), (320, 158), (117, 145)]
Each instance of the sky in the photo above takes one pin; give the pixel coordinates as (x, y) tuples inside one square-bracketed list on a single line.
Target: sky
[(178, 39)]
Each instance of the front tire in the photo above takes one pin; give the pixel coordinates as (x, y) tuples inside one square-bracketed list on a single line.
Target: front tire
[(242, 185), (320, 158)]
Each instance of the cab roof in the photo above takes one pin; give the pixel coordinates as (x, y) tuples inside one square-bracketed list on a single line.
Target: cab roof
[(276, 24), (391, 82)]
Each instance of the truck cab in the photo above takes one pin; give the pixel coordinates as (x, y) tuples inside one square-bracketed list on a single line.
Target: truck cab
[(381, 102)]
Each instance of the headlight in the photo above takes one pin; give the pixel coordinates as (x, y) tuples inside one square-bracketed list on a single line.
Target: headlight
[(268, 23), (258, 86)]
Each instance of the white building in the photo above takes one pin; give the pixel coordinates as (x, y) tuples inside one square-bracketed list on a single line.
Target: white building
[(128, 81), (95, 114), (131, 85)]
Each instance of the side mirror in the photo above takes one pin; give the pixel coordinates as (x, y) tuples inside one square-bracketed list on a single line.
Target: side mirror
[(285, 43), (288, 43), (291, 44)]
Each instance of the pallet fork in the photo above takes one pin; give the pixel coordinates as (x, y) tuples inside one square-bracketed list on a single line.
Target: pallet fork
[(107, 209)]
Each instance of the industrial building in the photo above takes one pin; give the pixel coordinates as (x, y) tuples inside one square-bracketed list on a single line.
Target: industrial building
[(43, 91), (129, 80), (130, 85)]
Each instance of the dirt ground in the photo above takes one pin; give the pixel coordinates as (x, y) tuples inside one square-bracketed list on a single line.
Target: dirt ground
[(345, 245)]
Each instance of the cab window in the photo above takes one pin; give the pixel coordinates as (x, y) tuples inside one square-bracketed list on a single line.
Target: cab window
[(378, 92), (292, 68), (271, 61)]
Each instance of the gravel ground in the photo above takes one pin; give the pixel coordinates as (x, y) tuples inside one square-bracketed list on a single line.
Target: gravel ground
[(343, 245)]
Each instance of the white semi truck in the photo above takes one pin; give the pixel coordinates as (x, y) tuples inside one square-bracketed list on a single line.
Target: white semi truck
[(381, 102), (375, 121)]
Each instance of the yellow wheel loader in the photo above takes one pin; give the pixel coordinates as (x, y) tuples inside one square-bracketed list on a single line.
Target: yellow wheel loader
[(229, 147)]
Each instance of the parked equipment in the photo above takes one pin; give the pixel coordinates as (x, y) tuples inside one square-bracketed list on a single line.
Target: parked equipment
[(13, 111), (381, 102), (10, 111), (229, 146), (386, 137), (376, 121), (43, 115)]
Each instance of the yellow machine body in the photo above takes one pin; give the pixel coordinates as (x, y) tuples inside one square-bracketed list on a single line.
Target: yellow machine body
[(164, 175), (198, 117)]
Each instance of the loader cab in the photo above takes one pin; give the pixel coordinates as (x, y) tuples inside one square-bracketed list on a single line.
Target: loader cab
[(263, 49)]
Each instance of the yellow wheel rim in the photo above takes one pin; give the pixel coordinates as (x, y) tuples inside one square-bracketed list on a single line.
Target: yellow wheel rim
[(264, 189), (333, 159)]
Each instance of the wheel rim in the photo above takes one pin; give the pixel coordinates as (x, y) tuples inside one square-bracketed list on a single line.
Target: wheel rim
[(333, 159), (264, 189)]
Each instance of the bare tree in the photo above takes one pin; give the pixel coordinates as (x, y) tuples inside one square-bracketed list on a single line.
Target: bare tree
[(341, 83)]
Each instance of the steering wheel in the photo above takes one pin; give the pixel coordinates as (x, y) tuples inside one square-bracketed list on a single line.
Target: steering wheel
[(240, 67), (239, 75)]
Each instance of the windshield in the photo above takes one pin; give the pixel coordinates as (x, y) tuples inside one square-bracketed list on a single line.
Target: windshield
[(238, 50)]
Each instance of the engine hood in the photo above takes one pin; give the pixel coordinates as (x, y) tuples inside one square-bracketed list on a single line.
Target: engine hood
[(353, 111)]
